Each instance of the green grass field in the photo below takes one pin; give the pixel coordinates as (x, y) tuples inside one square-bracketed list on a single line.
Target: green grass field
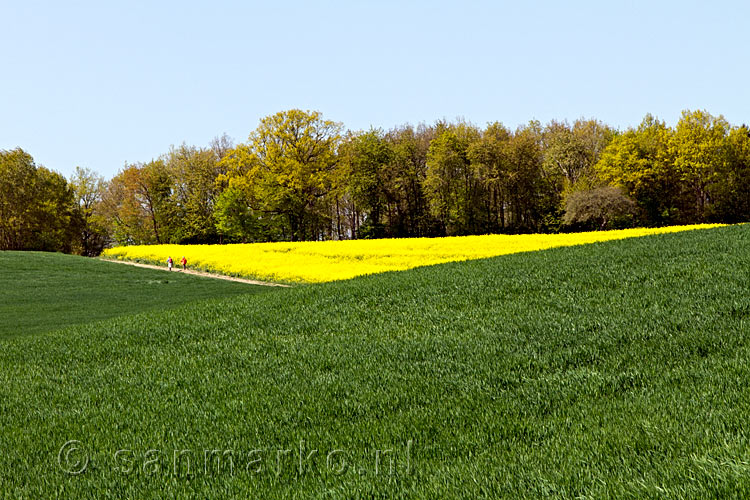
[(46, 291), (613, 370)]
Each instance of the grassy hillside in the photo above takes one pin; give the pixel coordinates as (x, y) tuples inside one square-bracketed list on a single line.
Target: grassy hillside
[(46, 291), (614, 370)]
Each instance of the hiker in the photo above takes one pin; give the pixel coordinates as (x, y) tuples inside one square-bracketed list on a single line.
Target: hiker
[(183, 261), (169, 263)]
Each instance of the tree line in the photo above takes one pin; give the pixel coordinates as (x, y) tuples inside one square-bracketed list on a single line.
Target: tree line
[(302, 177)]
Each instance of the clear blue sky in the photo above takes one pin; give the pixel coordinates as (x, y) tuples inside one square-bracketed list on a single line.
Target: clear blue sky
[(98, 84)]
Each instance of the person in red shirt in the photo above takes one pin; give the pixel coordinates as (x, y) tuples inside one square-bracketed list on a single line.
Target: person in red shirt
[(183, 261)]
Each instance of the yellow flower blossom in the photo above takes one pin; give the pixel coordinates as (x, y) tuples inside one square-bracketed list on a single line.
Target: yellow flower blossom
[(321, 261)]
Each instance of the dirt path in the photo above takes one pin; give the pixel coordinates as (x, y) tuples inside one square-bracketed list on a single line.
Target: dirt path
[(197, 273)]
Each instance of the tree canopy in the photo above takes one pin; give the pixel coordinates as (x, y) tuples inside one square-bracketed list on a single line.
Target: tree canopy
[(300, 176)]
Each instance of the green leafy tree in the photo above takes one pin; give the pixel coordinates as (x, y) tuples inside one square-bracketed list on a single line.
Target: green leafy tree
[(731, 193), (573, 150), (36, 205), (139, 204), (639, 161), (88, 189), (17, 185), (453, 188), (365, 158), (406, 174), (238, 222), (490, 157), (700, 150), (194, 172), (287, 169), (533, 195)]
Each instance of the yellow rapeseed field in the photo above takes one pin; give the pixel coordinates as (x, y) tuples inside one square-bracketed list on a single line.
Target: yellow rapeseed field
[(320, 261)]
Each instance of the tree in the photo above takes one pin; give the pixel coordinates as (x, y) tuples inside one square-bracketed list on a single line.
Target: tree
[(36, 205), (406, 174), (452, 186), (731, 193), (490, 158), (364, 161), (639, 161), (598, 208), (238, 222), (88, 188), (139, 204), (574, 150), (287, 169), (17, 179), (221, 146), (534, 198), (700, 150), (297, 178), (193, 172)]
